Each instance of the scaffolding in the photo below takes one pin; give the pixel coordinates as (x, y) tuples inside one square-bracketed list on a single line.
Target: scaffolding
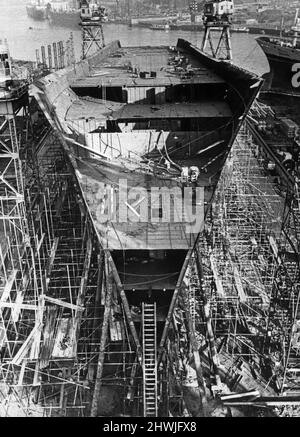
[(68, 344), (69, 341), (248, 276)]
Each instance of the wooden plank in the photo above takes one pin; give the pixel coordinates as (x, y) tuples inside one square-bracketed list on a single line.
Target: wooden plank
[(21, 374), (274, 248), (201, 382), (84, 277), (35, 348), (39, 243), (22, 352), (207, 316), (36, 379), (15, 313), (104, 333), (65, 342), (2, 334), (49, 264), (62, 303), (115, 329), (62, 392), (8, 286), (218, 282), (97, 312), (21, 306), (130, 393), (52, 314), (238, 284)]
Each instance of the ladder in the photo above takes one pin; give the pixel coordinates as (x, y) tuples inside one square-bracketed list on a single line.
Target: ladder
[(149, 360)]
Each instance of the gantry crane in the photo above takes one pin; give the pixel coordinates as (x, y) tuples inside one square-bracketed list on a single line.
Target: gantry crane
[(217, 15), (92, 16)]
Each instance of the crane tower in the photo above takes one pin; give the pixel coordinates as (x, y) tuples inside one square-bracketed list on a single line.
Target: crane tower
[(217, 16), (92, 16)]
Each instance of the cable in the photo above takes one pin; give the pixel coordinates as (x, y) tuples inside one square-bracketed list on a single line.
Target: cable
[(161, 274)]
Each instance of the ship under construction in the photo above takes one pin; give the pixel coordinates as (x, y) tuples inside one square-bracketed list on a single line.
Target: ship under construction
[(149, 260)]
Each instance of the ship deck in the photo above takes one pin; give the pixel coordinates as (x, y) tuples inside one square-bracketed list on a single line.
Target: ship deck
[(116, 70)]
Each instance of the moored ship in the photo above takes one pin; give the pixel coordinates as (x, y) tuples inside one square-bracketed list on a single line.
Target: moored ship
[(140, 123), (64, 14), (146, 132), (165, 26), (37, 10), (284, 59)]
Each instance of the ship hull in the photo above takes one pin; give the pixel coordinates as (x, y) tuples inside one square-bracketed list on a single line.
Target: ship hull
[(130, 134), (274, 31), (36, 13), (151, 119), (284, 77), (64, 19)]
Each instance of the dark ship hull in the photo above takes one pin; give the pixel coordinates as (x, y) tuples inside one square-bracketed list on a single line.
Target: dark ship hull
[(284, 61), (35, 12), (147, 131), (64, 19), (273, 31)]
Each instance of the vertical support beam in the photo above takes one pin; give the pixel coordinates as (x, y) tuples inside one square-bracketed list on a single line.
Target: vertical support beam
[(97, 313), (49, 57), (37, 57), (209, 328), (62, 54), (55, 56), (172, 305), (104, 334), (44, 62)]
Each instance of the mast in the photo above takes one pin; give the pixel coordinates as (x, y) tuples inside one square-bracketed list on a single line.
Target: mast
[(296, 27), (281, 25)]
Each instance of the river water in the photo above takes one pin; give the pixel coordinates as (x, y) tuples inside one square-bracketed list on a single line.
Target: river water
[(25, 35)]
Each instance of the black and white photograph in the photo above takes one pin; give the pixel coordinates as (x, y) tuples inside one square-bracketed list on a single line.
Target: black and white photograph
[(149, 211)]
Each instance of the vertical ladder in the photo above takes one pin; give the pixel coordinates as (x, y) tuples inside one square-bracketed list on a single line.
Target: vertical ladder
[(149, 360)]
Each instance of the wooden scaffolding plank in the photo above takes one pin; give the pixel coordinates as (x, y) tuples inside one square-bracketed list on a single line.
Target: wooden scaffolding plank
[(238, 284), (52, 313), (8, 286), (22, 352), (2, 334), (63, 304), (22, 372), (218, 282), (104, 334), (49, 265)]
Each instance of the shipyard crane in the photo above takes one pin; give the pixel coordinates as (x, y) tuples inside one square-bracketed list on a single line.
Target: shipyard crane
[(217, 16), (92, 16)]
